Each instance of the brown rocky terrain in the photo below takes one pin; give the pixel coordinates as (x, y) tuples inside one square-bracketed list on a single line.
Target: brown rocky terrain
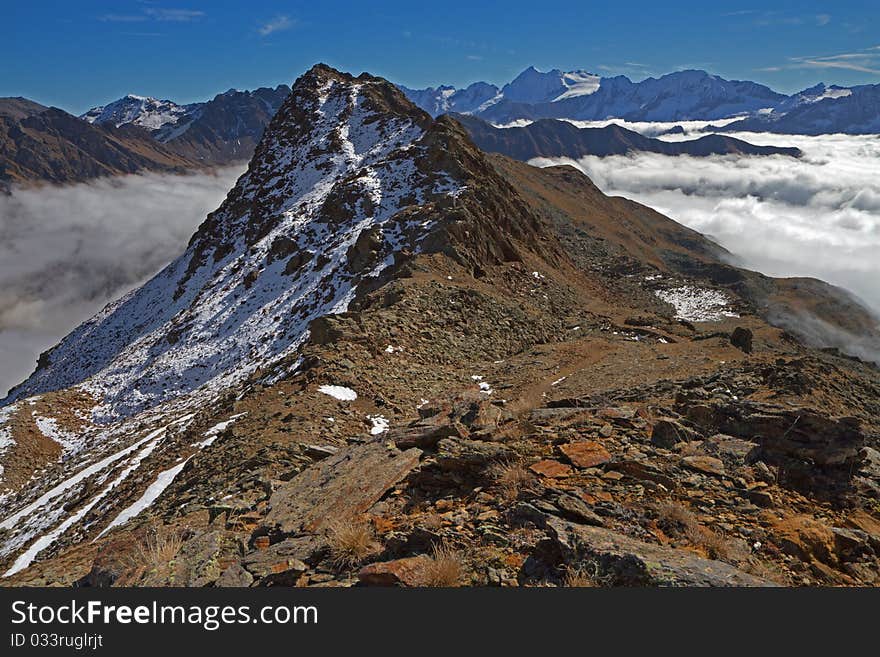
[(225, 129), (41, 144), (558, 389)]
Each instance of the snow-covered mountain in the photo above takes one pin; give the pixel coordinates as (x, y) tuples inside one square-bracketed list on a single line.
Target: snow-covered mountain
[(579, 95), (144, 111), (444, 99), (532, 86), (317, 212), (680, 96), (223, 129), (821, 110)]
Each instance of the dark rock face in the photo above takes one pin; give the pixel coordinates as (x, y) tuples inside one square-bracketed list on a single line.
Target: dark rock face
[(741, 338), (225, 129), (815, 452)]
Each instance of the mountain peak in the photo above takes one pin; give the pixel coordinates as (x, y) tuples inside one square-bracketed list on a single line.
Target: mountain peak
[(348, 176)]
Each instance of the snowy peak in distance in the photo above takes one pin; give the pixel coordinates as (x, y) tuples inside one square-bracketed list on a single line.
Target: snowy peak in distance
[(143, 111), (820, 110), (823, 92), (581, 95), (444, 99), (533, 86)]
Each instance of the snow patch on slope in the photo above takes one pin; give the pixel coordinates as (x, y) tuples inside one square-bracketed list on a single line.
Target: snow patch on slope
[(48, 426), (142, 111), (695, 304), (154, 490), (339, 392)]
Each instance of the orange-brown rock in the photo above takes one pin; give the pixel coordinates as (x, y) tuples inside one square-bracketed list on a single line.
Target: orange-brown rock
[(551, 469), (586, 454), (400, 572)]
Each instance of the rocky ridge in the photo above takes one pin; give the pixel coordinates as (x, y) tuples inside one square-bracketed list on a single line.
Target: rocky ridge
[(505, 378)]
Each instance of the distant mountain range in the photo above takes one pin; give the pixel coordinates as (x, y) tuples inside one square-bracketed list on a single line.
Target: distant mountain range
[(47, 144), (680, 96), (821, 110), (137, 133), (557, 138), (226, 128), (132, 134)]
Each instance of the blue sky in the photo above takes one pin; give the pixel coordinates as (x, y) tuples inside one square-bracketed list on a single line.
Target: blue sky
[(78, 54)]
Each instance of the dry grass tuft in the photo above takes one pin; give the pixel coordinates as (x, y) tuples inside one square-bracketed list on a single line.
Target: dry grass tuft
[(157, 550), (676, 518), (715, 544), (579, 578), (446, 568), (511, 477), (680, 521), (351, 542)]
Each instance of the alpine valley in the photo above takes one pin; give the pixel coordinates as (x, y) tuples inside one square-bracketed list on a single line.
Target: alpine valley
[(392, 358)]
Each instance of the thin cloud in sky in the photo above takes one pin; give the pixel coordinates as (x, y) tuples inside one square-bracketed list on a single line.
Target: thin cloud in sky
[(277, 24), (863, 61), (849, 66), (122, 18), (771, 18), (175, 15), (155, 14)]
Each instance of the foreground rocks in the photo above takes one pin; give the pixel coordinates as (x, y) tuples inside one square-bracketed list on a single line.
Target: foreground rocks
[(623, 561), (339, 488)]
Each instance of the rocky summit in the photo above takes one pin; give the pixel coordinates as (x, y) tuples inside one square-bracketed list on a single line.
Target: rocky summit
[(392, 359)]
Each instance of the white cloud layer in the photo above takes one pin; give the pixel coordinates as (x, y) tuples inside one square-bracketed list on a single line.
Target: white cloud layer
[(67, 251), (816, 216)]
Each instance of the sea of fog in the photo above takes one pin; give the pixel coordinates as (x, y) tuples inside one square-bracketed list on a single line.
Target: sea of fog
[(814, 216), (66, 251)]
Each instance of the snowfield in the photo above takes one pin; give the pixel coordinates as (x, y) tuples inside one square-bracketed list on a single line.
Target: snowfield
[(695, 304)]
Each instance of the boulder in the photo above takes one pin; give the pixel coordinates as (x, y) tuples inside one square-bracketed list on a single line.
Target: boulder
[(643, 470), (282, 563), (571, 508), (668, 432), (461, 455), (235, 576), (338, 488), (551, 469), (741, 338), (627, 561), (705, 464)]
